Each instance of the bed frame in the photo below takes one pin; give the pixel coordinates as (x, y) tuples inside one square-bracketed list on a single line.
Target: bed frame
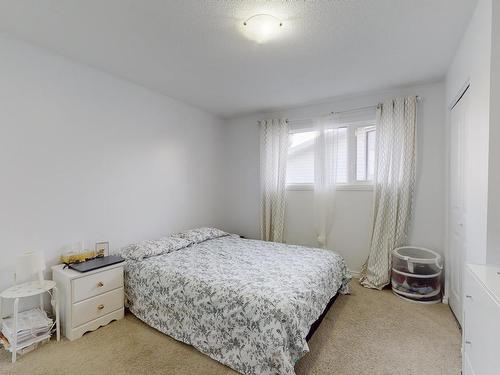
[(317, 323)]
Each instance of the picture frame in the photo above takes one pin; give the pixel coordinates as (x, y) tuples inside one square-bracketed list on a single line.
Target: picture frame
[(102, 249)]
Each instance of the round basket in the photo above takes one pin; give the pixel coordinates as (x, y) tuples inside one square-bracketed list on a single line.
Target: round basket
[(416, 274)]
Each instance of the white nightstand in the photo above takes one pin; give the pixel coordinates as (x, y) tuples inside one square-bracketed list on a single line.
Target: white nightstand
[(89, 300)]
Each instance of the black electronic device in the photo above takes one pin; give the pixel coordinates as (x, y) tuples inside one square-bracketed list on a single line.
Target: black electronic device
[(96, 263)]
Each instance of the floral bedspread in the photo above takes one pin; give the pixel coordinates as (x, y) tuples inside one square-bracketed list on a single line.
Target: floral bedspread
[(248, 304)]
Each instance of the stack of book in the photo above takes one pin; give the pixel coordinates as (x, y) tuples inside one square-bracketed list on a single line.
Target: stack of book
[(32, 326)]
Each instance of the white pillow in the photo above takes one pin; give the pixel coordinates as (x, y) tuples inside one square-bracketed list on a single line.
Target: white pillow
[(150, 248), (202, 234)]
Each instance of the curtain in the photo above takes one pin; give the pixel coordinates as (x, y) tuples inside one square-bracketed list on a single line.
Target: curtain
[(273, 157), (325, 172), (394, 184)]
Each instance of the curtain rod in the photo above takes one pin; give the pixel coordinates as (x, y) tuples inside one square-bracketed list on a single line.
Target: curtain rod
[(340, 112)]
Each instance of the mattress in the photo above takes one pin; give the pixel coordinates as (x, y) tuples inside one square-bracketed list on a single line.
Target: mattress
[(248, 304)]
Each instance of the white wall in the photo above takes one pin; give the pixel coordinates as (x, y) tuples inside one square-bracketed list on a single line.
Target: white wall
[(84, 155), (472, 64), (352, 229), (350, 234), (494, 148)]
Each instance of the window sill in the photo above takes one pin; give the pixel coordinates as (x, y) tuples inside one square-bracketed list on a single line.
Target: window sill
[(342, 187)]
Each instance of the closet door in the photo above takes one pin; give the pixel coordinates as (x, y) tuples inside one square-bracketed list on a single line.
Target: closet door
[(456, 206)]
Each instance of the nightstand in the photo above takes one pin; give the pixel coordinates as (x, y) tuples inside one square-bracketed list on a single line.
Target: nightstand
[(89, 300)]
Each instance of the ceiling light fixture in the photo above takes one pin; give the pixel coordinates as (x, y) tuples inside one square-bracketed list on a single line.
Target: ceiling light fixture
[(262, 27)]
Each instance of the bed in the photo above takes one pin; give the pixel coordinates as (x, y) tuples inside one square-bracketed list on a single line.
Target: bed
[(246, 303)]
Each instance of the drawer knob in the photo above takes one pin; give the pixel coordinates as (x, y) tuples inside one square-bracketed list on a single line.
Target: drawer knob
[(100, 307), (100, 284), (468, 342), (468, 296)]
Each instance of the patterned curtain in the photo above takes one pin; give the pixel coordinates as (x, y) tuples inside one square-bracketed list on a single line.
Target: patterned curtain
[(273, 157), (394, 184)]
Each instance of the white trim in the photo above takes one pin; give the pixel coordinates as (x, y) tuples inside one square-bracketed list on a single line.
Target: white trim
[(459, 95), (300, 187), (352, 153), (340, 187), (355, 187)]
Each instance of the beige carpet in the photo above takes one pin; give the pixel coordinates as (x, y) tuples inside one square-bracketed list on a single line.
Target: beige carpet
[(368, 332)]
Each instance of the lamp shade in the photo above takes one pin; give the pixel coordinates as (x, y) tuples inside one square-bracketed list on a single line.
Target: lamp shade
[(29, 264)]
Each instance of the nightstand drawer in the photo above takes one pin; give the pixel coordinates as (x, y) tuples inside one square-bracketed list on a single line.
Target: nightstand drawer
[(96, 307), (93, 285)]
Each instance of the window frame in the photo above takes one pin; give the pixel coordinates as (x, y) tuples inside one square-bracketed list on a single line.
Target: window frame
[(355, 152), (353, 184)]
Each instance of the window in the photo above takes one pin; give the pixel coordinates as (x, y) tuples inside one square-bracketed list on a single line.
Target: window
[(355, 158), (300, 162), (365, 153)]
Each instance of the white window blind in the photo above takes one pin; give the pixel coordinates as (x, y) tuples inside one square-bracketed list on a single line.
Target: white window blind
[(365, 153), (342, 156), (300, 163)]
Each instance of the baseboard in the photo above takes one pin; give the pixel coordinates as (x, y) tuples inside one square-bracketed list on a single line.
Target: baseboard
[(355, 274)]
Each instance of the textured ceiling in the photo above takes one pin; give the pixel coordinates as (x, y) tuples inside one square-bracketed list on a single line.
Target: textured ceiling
[(194, 50)]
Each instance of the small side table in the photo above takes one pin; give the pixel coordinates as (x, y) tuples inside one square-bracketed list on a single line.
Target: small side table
[(30, 289), (89, 300)]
